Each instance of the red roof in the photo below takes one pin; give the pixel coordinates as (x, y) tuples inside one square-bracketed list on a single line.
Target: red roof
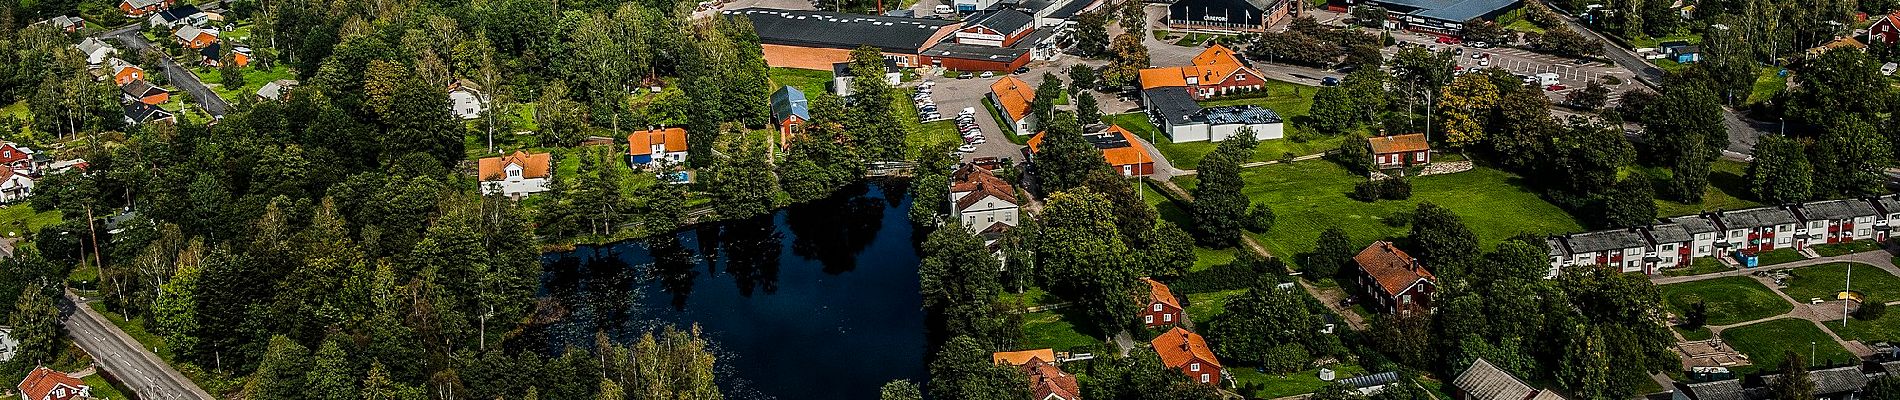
[(42, 381), (1178, 347), (1013, 96), (1392, 268), (1022, 357), (537, 165), (1398, 143), (641, 142), (1047, 380), (1159, 293), (1132, 154), (971, 178)]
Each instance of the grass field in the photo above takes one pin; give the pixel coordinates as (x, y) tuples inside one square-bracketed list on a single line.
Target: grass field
[(1052, 329), (1727, 190), (1843, 248), (1768, 342), (1824, 280), (1293, 102), (14, 217), (811, 81), (1202, 307), (1699, 266), (1730, 299), (1028, 298), (1524, 25), (1768, 83), (1292, 384), (1310, 196), (253, 79), (1779, 256), (1884, 329), (101, 389), (1701, 333)]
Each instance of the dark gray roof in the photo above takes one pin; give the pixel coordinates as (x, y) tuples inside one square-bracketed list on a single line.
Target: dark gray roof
[(1835, 209), (1754, 218), (1888, 204), (789, 101), (1717, 390), (1669, 233), (1832, 380), (140, 88), (1555, 246), (843, 69), (177, 13), (952, 49), (1240, 114), (1172, 104), (1449, 10), (1483, 381), (1366, 381), (141, 113), (1034, 5), (1070, 10), (1005, 20), (1591, 242), (1694, 224), (840, 30)]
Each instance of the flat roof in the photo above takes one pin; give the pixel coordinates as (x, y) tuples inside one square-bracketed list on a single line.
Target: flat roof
[(1450, 10), (1172, 104), (841, 30)]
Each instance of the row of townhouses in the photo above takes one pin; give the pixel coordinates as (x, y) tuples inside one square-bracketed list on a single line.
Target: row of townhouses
[(1674, 241)]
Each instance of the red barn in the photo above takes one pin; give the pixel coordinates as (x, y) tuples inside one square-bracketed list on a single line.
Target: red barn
[(47, 384), (1397, 282), (1162, 309), (1188, 352)]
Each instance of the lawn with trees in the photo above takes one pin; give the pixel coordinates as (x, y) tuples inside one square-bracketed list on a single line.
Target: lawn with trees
[(1823, 281), (1729, 300), (1766, 343), (1188, 155)]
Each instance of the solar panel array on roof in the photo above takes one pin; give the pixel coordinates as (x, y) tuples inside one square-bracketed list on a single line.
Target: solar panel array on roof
[(1107, 141), (1240, 114)]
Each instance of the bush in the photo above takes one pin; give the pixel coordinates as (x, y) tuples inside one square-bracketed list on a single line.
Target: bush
[(1289, 357), (1399, 218), (1395, 189), (1368, 191), (1696, 316), (1612, 80), (1240, 274), (1870, 309), (1259, 218)]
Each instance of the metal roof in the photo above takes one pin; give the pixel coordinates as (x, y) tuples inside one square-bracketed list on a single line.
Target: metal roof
[(1889, 204), (1457, 11), (1484, 381), (1591, 242), (789, 101), (1070, 10), (841, 30), (1366, 381), (1717, 390), (1172, 104), (1005, 20)]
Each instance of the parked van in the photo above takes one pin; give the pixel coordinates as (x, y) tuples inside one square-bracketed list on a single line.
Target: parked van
[(945, 9), (1546, 79)]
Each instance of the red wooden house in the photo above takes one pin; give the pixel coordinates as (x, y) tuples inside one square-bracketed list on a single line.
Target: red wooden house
[(1396, 282), (1162, 309), (1400, 151), (1216, 71), (1188, 352), (1885, 29)]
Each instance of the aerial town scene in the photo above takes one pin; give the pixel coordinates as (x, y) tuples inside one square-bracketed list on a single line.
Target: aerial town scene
[(949, 199)]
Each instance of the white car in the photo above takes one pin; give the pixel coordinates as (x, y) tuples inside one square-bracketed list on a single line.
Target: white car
[(967, 148), (988, 74), (945, 9)]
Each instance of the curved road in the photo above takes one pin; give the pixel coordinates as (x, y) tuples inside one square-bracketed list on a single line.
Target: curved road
[(183, 79), (138, 370)]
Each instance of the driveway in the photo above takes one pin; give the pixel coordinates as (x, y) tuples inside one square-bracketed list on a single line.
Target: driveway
[(178, 75)]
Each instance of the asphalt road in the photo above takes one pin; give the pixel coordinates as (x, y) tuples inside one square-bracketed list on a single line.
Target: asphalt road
[(137, 369), (178, 76)]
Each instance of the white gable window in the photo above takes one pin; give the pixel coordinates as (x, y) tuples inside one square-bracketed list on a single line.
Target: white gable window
[(1148, 319), (1419, 156), (1167, 317), (1196, 367)]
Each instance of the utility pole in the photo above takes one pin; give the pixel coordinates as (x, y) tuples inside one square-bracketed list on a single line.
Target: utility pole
[(1845, 292)]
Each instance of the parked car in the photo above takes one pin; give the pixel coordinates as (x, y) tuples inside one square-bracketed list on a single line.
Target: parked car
[(966, 148), (1484, 62), (1458, 51), (1478, 44), (945, 9), (966, 75), (1480, 55), (1022, 70), (1329, 81), (989, 74), (1448, 40), (1556, 87)]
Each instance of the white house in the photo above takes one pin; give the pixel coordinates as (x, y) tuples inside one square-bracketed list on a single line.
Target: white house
[(1889, 208), (8, 345), (1623, 249), (1219, 123), (176, 16), (46, 384), (656, 147), (1758, 229), (516, 175), (841, 76), (466, 100), (1834, 221), (982, 202), (14, 186), (1012, 97), (96, 51)]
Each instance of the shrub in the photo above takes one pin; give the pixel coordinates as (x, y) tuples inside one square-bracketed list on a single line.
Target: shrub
[(1870, 309), (1286, 157), (1289, 357), (1696, 316), (1395, 189), (1612, 80), (1399, 218), (1259, 218), (1368, 191), (1240, 274)]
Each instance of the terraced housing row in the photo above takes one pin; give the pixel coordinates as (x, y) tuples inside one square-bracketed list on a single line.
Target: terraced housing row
[(1674, 241)]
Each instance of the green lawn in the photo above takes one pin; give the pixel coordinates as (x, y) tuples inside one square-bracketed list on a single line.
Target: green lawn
[(811, 81), (1727, 190), (13, 217), (1884, 329), (1524, 25), (1028, 298), (1730, 299), (101, 389), (253, 79), (1698, 266), (1287, 98), (1767, 84), (1646, 41), (1843, 248), (1202, 307), (1309, 197), (1053, 329), (17, 110), (1824, 280), (1768, 342), (1778, 256), (1292, 384), (1701, 333)]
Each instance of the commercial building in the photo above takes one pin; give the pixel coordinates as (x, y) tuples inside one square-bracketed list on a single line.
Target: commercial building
[(1442, 16)]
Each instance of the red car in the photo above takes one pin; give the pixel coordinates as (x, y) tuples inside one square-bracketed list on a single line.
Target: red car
[(1556, 87), (1448, 40)]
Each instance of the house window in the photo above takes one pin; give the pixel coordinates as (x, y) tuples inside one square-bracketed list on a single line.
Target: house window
[(514, 173), (1157, 307), (1196, 367), (1128, 170), (1407, 299), (1167, 317), (1203, 378), (1149, 319), (992, 218), (1785, 228), (1420, 157)]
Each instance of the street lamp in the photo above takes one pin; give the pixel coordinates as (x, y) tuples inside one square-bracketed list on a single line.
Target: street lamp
[(1844, 293), (1810, 354)]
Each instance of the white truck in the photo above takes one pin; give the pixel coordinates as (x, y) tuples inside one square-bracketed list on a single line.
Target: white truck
[(1546, 79)]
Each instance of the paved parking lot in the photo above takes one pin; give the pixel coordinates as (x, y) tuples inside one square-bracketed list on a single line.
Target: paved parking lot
[(1573, 73)]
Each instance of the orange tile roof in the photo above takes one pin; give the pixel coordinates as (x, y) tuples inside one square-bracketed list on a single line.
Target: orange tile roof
[(43, 380), (1178, 347), (1398, 143), (971, 178), (1046, 380), (1159, 293), (1015, 358), (536, 165), (641, 142), (1014, 96), (1212, 66), (1133, 154), (1391, 268)]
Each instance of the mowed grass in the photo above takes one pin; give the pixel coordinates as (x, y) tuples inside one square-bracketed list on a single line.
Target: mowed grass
[(1727, 190), (1302, 382), (1823, 281), (101, 389), (1844, 248), (1698, 266), (21, 218), (1778, 256), (1053, 329), (253, 79), (1730, 299), (1310, 196), (1203, 307), (1768, 83), (1767, 343), (810, 81)]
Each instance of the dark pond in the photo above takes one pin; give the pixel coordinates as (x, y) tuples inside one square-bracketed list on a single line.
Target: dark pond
[(818, 301)]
